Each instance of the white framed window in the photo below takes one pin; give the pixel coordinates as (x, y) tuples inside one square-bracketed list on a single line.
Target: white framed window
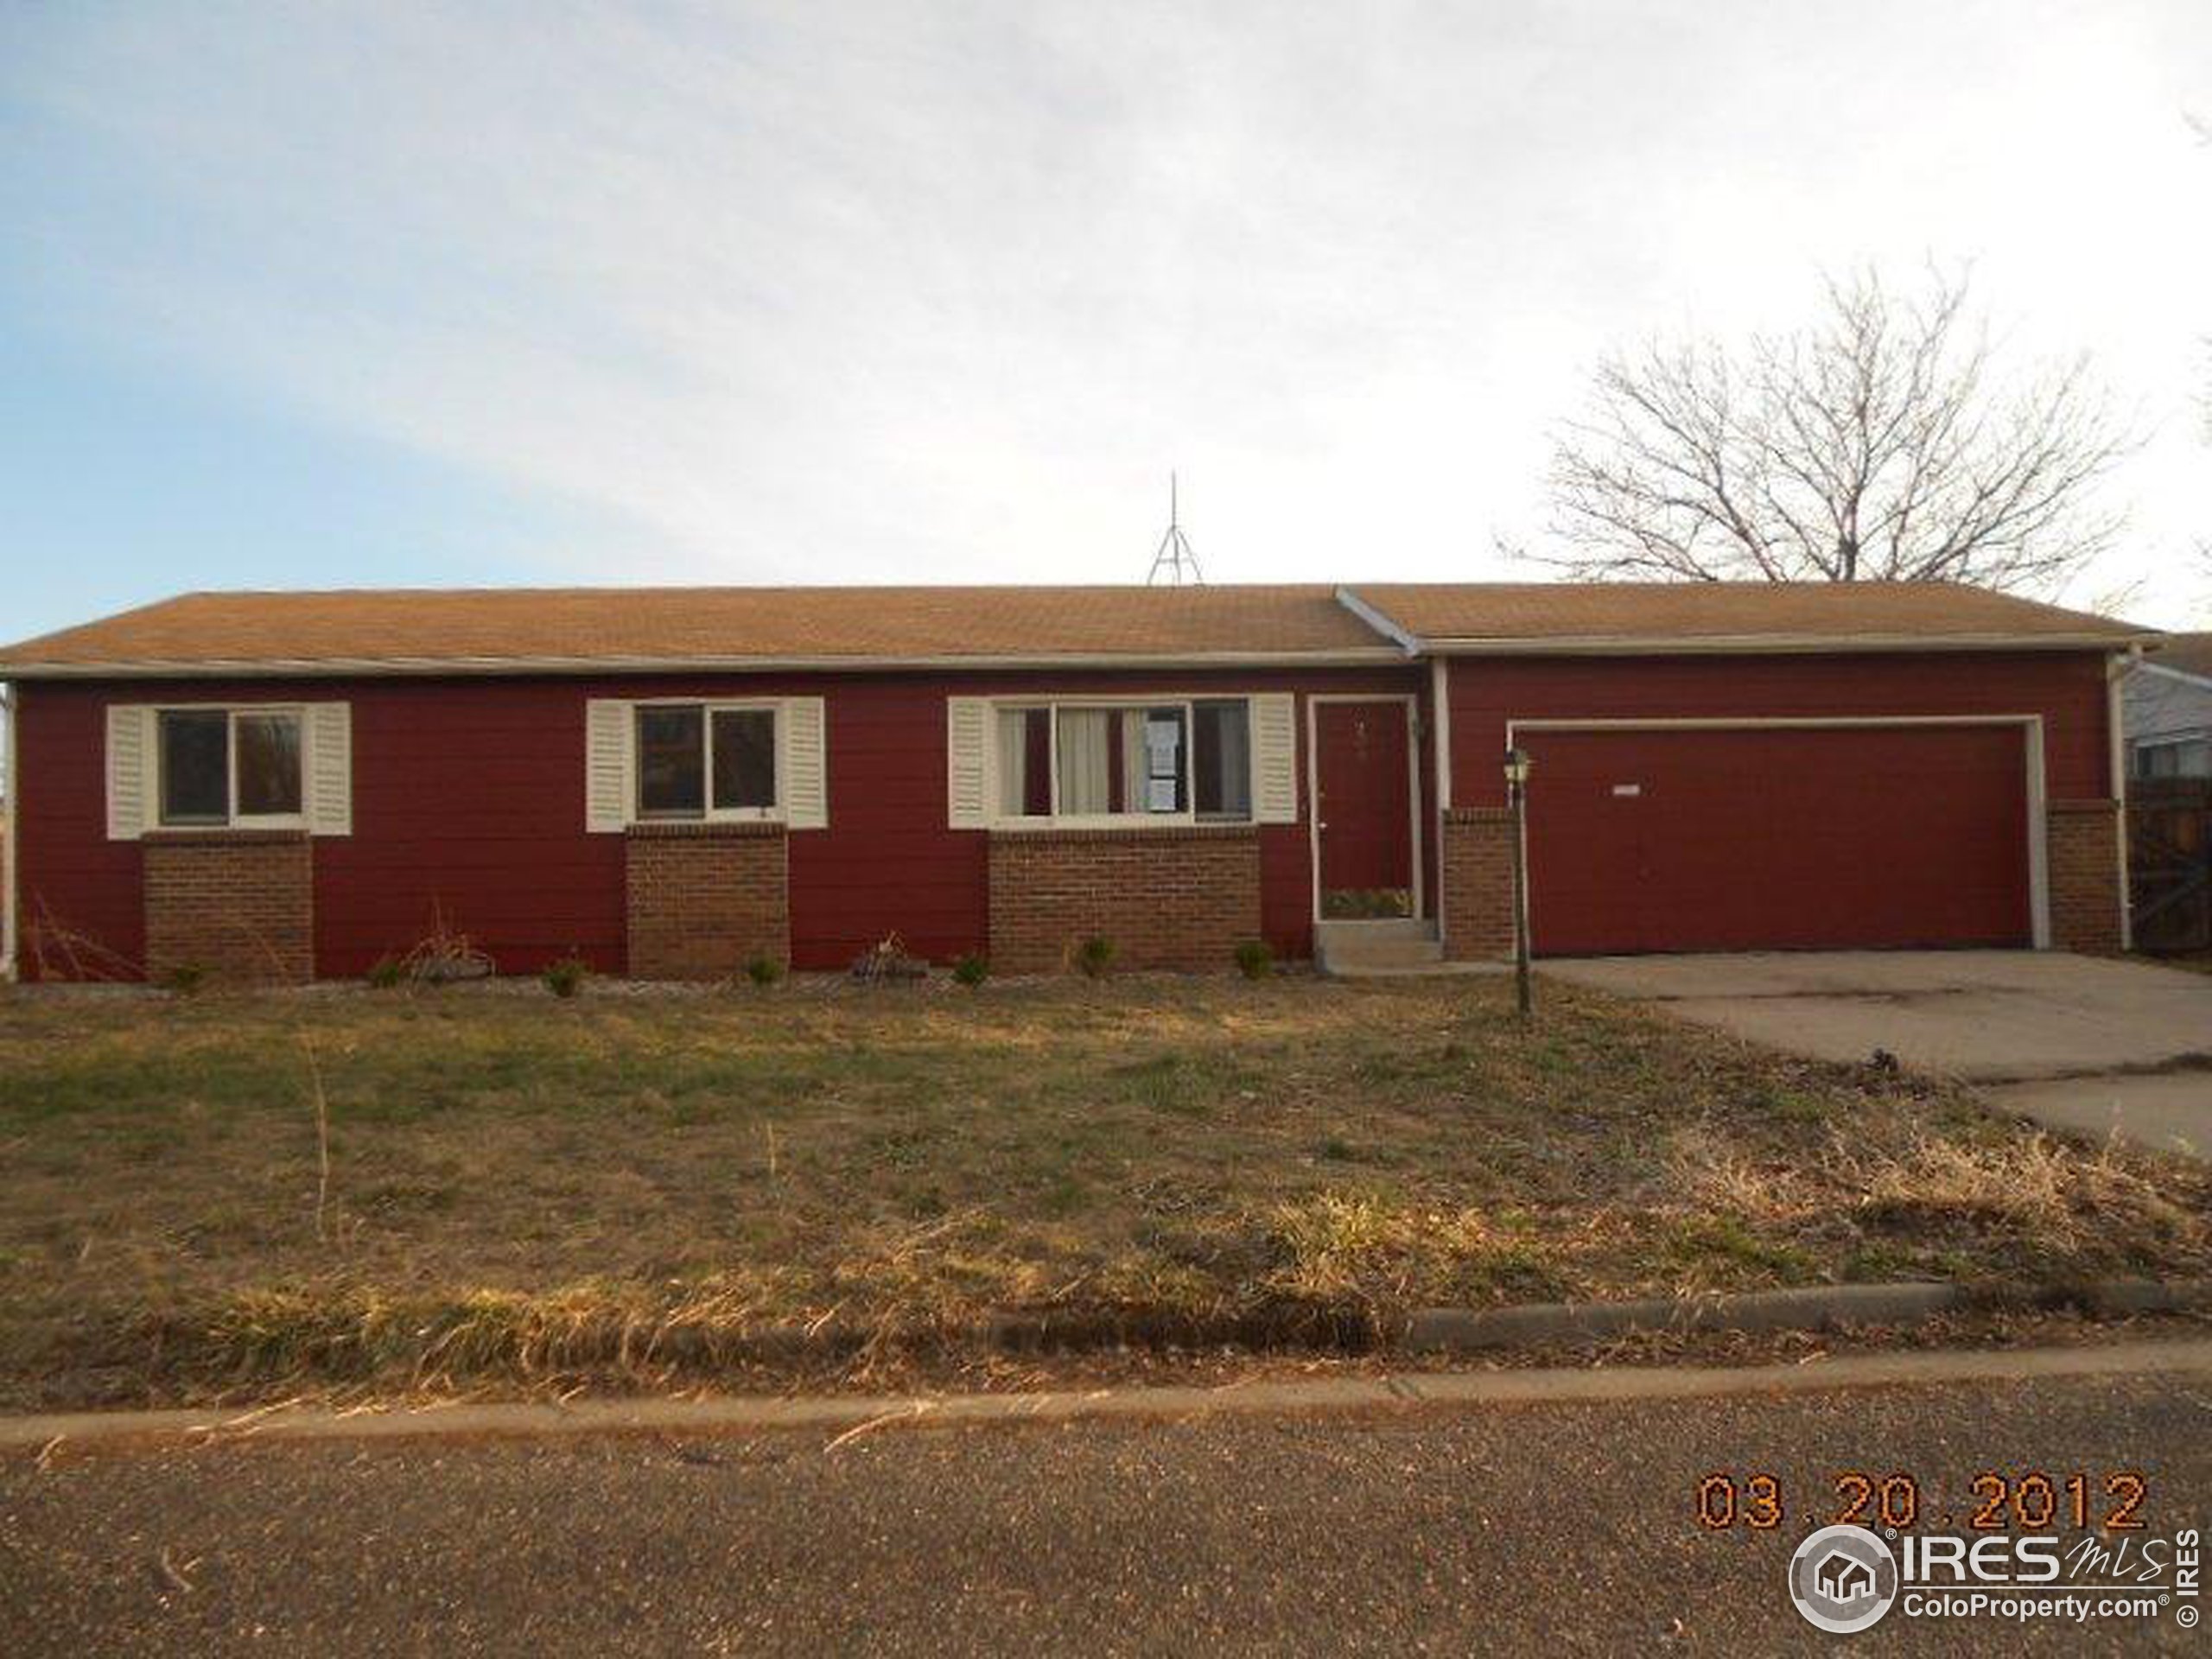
[(708, 761), (705, 760), (231, 768), (1081, 760)]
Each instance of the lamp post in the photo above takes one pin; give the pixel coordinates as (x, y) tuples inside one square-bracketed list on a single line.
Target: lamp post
[(1516, 799)]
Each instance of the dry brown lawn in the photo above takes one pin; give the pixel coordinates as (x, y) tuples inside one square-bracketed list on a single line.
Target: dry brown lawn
[(649, 1190)]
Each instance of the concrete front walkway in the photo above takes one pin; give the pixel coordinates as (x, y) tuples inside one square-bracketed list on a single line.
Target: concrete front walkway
[(2083, 1043)]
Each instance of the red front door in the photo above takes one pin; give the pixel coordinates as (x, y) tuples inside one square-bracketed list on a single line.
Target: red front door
[(1363, 808)]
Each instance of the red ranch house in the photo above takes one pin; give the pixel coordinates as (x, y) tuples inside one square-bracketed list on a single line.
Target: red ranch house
[(669, 783)]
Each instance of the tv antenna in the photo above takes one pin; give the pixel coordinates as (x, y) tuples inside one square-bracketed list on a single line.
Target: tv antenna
[(1174, 562)]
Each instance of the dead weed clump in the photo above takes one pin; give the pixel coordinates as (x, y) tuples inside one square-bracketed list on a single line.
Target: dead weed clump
[(619, 1334), (2065, 1200), (1377, 1252), (2016, 1201)]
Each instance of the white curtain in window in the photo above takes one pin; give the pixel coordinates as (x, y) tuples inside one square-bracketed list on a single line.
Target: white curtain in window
[(1082, 763), (1014, 762), (1133, 760), (1230, 789)]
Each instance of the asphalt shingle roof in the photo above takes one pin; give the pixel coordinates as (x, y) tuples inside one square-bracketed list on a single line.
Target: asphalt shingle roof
[(679, 624), (1691, 611), (737, 626)]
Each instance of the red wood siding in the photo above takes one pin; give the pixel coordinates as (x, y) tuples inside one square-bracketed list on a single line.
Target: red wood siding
[(468, 811), (887, 863), (1837, 837), (468, 805), (69, 876)]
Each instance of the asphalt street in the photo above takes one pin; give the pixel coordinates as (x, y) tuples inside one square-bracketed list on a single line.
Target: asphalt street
[(1569, 1526)]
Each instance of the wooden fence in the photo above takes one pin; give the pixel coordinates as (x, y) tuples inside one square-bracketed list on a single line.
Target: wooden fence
[(2169, 862)]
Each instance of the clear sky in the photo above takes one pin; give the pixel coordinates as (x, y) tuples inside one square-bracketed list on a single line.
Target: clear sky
[(539, 292)]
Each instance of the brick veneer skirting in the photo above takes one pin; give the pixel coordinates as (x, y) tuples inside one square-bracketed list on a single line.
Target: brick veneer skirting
[(2083, 870), (1180, 898), (1478, 882), (235, 904), (705, 898)]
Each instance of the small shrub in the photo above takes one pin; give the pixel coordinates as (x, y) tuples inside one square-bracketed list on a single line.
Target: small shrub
[(973, 968), (764, 970), (386, 974), (566, 978), (445, 956), (888, 962), (1254, 959), (1095, 957), (187, 978)]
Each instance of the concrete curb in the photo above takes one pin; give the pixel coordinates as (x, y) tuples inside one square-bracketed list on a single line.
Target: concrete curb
[(1816, 1307), (851, 1416)]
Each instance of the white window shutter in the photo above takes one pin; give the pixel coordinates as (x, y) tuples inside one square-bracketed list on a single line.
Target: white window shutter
[(1275, 758), (607, 741), (967, 750), (131, 761), (330, 768), (805, 729)]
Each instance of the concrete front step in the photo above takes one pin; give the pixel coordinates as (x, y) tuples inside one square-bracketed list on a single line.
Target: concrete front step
[(1344, 947), (1418, 971)]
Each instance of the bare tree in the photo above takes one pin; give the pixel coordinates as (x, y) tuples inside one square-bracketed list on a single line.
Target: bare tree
[(1875, 445)]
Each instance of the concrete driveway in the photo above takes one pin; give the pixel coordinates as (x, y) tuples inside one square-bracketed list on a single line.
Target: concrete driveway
[(2079, 1043)]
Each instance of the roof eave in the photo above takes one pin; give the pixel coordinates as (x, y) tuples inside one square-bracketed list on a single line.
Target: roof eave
[(377, 667), (1776, 644)]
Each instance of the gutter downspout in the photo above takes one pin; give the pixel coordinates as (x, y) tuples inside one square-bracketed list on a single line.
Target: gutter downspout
[(1440, 697), (2118, 667), (9, 839)]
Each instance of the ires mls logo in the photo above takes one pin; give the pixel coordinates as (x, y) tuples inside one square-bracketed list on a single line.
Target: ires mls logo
[(1846, 1578)]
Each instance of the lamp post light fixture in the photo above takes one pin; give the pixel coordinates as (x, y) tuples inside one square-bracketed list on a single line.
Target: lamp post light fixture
[(1516, 798)]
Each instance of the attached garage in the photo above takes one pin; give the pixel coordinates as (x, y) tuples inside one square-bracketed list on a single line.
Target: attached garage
[(1715, 835)]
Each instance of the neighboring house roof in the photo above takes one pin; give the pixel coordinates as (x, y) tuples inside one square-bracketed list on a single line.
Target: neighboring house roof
[(2168, 698), (2184, 653), (1692, 615), (524, 629)]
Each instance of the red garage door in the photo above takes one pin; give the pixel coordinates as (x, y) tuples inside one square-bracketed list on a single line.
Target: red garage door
[(1777, 838)]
